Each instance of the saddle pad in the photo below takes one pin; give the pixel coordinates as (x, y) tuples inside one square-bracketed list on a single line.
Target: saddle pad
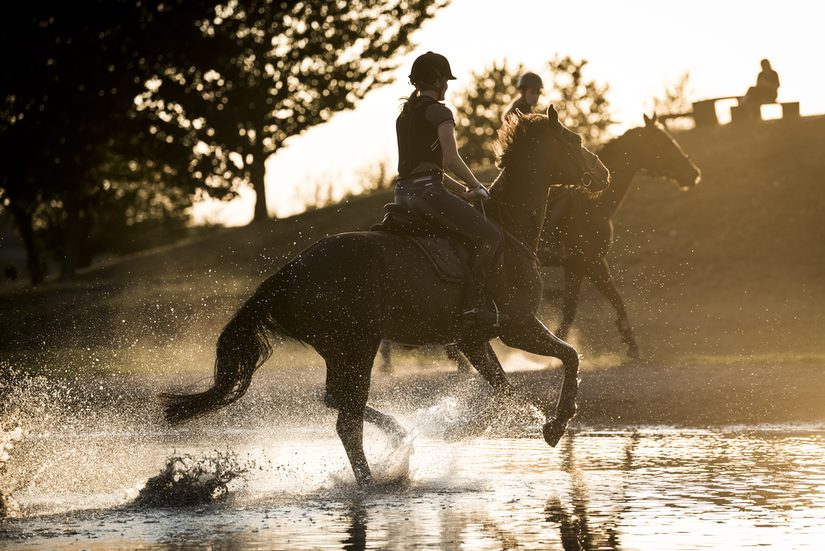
[(399, 220), (450, 264)]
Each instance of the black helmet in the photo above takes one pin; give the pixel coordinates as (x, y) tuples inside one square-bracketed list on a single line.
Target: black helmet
[(429, 67), (530, 80)]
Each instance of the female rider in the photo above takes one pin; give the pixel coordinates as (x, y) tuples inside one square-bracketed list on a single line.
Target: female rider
[(426, 145)]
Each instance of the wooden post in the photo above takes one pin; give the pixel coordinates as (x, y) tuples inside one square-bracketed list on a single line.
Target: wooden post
[(704, 113), (790, 110)]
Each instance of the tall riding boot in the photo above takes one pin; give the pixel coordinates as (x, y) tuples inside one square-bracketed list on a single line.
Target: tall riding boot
[(479, 314)]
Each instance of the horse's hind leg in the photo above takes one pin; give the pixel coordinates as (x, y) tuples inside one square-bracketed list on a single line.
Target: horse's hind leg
[(455, 356), (603, 281), (385, 422), (347, 388)]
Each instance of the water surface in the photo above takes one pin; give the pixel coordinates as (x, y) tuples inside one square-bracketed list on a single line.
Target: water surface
[(649, 488)]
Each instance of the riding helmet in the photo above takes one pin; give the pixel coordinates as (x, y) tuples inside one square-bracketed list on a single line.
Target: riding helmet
[(429, 67), (530, 80)]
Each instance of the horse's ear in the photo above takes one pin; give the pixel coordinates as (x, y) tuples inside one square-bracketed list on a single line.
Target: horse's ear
[(649, 121), (552, 115)]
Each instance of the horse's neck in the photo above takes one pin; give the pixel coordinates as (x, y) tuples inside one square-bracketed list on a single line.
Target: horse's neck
[(619, 158), (518, 207)]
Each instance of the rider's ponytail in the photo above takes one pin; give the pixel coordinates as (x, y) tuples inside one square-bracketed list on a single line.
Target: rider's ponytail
[(408, 100)]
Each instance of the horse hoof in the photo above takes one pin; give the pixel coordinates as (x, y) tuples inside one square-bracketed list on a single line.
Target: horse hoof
[(365, 481), (553, 431)]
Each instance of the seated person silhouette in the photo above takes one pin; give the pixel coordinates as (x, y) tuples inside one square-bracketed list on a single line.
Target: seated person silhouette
[(767, 85)]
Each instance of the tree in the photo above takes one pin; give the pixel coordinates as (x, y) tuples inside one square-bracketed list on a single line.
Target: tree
[(269, 70), (68, 111), (480, 107), (126, 104), (582, 104), (675, 100)]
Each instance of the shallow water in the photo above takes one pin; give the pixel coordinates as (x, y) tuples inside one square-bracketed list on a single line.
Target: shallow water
[(90, 465)]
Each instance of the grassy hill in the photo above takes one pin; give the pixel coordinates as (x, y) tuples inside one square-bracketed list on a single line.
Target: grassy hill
[(735, 266), (731, 271)]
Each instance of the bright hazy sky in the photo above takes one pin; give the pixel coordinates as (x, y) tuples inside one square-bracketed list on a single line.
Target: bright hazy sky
[(636, 46)]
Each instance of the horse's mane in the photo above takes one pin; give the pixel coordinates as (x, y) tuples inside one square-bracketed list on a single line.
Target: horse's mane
[(631, 136), (616, 140), (518, 129)]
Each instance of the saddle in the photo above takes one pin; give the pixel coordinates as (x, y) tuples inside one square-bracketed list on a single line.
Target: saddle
[(450, 259)]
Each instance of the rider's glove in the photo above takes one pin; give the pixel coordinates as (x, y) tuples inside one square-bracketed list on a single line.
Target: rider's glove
[(483, 193)]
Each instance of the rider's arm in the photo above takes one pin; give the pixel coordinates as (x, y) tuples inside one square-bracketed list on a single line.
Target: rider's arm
[(453, 185), (452, 159)]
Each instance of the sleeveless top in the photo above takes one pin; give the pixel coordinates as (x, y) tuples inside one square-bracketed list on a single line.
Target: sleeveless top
[(417, 131)]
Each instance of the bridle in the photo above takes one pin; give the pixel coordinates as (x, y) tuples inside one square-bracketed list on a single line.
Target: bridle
[(588, 176)]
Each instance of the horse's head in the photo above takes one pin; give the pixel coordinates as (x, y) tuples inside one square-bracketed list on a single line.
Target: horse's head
[(543, 145), (660, 155)]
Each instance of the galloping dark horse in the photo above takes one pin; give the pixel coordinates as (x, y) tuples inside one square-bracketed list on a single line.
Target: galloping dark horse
[(589, 231), (347, 292)]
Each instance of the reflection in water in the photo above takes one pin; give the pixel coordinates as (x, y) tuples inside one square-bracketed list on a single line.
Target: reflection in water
[(640, 489), (356, 539), (456, 525), (576, 532)]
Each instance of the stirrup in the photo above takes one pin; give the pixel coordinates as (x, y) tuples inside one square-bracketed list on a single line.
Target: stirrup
[(474, 314)]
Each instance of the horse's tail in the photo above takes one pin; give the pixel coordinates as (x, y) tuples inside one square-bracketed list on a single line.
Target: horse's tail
[(243, 345)]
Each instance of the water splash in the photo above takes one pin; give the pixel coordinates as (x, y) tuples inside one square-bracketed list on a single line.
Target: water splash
[(57, 435), (9, 508), (392, 467), (16, 410), (186, 480), (470, 413)]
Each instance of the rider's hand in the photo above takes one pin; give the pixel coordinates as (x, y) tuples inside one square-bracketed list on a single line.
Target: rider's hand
[(477, 194)]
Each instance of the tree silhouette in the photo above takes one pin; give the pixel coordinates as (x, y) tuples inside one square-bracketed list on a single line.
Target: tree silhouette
[(127, 105), (582, 104), (68, 124), (267, 71), (479, 107), (675, 99)]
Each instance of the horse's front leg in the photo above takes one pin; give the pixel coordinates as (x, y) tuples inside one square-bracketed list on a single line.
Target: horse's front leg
[(603, 281), (508, 400), (573, 278), (532, 336)]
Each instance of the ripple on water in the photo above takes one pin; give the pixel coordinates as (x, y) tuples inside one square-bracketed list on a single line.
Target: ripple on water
[(108, 477)]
